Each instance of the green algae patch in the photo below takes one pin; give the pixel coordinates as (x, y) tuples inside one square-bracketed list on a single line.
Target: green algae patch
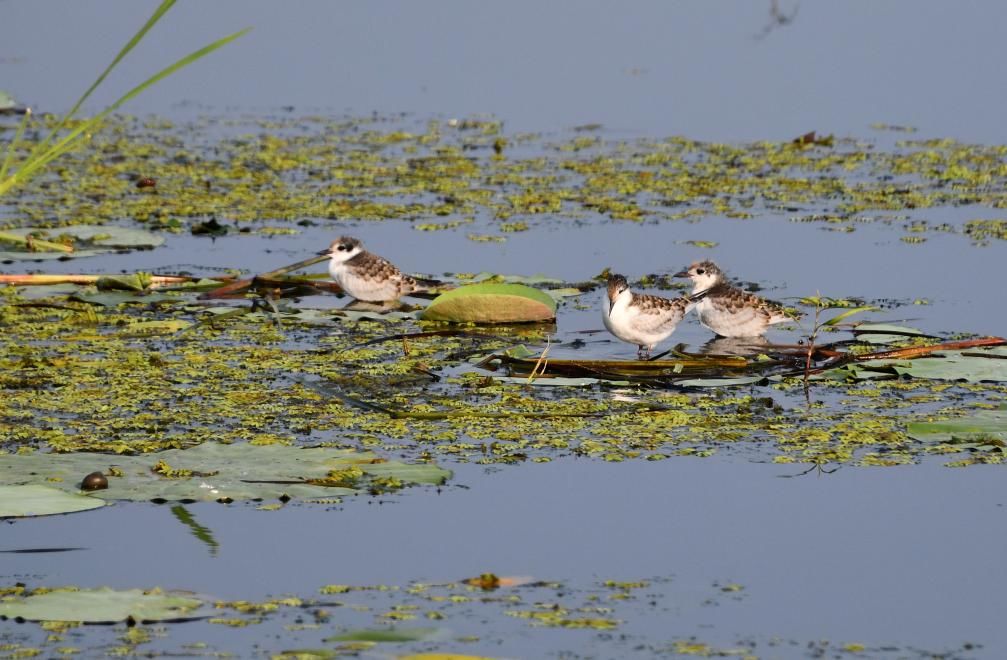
[(99, 605), (213, 471), (128, 383), (492, 303), (388, 635), (438, 176), (24, 501)]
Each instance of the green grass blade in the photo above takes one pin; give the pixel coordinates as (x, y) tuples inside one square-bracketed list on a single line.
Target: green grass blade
[(67, 142), (154, 18), (848, 313), (12, 147)]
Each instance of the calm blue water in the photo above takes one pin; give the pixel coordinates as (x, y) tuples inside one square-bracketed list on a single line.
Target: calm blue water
[(910, 557), (654, 68)]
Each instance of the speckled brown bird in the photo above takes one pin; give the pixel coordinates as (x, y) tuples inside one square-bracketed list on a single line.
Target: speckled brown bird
[(366, 276), (727, 310), (641, 319)]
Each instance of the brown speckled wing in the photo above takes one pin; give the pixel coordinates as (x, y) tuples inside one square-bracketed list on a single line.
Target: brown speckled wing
[(665, 311), (730, 300), (373, 268)]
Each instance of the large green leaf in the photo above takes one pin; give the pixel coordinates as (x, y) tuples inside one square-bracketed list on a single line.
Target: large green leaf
[(885, 333), (984, 425), (214, 471), (969, 366), (492, 303), (38, 500), (975, 366), (102, 605)]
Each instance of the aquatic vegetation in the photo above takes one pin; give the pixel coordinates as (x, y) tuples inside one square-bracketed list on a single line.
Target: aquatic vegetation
[(246, 171), (58, 142), (128, 377)]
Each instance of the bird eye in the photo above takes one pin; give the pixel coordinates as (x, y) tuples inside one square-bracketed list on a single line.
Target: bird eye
[(700, 271), (343, 248)]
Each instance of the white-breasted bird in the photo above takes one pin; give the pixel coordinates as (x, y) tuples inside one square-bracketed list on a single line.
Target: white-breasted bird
[(641, 319), (365, 275), (727, 310)]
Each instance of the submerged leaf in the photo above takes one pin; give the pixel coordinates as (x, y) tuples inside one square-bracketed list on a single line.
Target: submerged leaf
[(384, 635), (492, 303), (100, 606), (38, 500), (95, 239), (985, 425), (213, 471)]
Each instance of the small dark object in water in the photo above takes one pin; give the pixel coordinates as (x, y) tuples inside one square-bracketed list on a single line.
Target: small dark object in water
[(209, 228), (94, 481), (145, 182)]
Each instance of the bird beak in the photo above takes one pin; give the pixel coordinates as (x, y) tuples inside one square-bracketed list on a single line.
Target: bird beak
[(326, 252), (682, 273)]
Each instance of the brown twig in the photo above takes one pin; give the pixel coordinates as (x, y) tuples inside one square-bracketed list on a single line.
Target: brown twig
[(45, 280), (241, 286), (919, 351)]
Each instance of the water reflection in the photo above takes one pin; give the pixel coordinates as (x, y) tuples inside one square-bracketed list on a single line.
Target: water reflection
[(740, 346)]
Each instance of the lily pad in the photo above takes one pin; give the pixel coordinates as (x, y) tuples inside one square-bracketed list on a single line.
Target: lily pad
[(555, 381), (6, 101), (885, 333), (969, 366), (213, 471), (38, 500), (94, 240), (115, 298), (492, 303), (720, 382), (984, 425), (112, 236), (102, 605), (394, 635)]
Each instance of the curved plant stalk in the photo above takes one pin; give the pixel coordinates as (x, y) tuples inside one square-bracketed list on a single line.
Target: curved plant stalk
[(54, 146), (9, 157)]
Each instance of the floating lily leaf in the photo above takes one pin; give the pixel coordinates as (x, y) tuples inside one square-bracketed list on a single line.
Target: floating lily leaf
[(566, 292), (96, 240), (100, 606), (492, 303), (720, 382), (886, 328), (213, 471), (488, 278), (984, 425), (114, 298), (557, 381), (38, 500), (885, 333), (441, 656), (971, 368), (395, 635), (112, 236), (6, 101)]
